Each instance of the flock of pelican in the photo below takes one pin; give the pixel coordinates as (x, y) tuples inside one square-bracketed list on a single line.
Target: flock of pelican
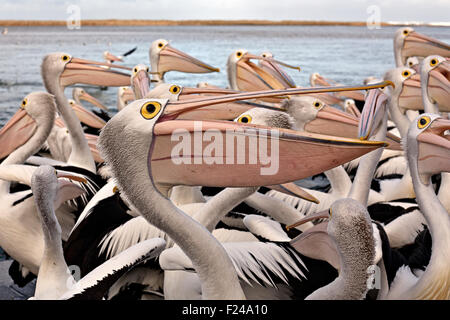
[(101, 207)]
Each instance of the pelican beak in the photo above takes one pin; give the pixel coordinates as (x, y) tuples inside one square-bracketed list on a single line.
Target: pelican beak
[(373, 111), (251, 77), (280, 156), (272, 66), (18, 130), (87, 117), (141, 84), (353, 110), (111, 57), (318, 81), (318, 215), (292, 189), (417, 44), (92, 142), (94, 73), (434, 149), (191, 92), (70, 177), (174, 110), (172, 59), (87, 97), (439, 86), (128, 95), (411, 95)]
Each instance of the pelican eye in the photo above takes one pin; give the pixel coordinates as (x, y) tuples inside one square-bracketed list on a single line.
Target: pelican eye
[(160, 45), (71, 102), (135, 70), (65, 58), (423, 122), (175, 89), (115, 189), (433, 62), (245, 119), (317, 104), (148, 69), (239, 54), (406, 73), (329, 212), (150, 109), (405, 32), (24, 103)]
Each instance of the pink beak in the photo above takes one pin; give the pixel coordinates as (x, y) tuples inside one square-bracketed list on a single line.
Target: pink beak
[(420, 45), (18, 130)]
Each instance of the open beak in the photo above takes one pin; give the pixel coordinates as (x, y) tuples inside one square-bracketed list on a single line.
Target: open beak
[(319, 81), (272, 66), (439, 86), (315, 216), (111, 57), (434, 148), (294, 190), (94, 73), (87, 97), (374, 108), (420, 45), (411, 95), (172, 59), (18, 130), (141, 84), (174, 110), (87, 117)]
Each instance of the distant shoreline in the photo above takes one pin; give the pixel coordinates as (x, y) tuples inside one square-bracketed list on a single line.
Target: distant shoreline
[(116, 22)]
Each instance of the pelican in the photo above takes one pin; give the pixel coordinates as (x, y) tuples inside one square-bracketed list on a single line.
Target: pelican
[(435, 84), (273, 67), (408, 43), (79, 94), (351, 244), (60, 70), (428, 152), (110, 58), (54, 280), (164, 58), (124, 96), (145, 119)]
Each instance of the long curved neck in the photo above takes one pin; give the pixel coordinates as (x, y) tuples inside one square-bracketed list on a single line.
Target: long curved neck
[(28, 149), (401, 121), (433, 284), (361, 183), (54, 278), (339, 180), (81, 155), (222, 203), (429, 106), (214, 267)]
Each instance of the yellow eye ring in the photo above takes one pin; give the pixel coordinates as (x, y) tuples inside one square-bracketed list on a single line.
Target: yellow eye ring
[(160, 45), (175, 89), (24, 103), (317, 104), (406, 74), (423, 122), (65, 58), (135, 70), (245, 119), (115, 189), (239, 54), (433, 62), (405, 32), (329, 212), (150, 109)]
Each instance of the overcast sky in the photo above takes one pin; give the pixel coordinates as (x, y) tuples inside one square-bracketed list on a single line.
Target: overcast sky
[(340, 10)]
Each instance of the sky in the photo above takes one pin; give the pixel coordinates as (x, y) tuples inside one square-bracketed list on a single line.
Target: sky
[(331, 10)]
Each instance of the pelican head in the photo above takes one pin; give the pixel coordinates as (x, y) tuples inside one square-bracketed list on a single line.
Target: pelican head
[(435, 82), (164, 58), (428, 146), (79, 94), (265, 117), (413, 63), (124, 96), (61, 69), (140, 81), (85, 116), (37, 110), (408, 42), (406, 93)]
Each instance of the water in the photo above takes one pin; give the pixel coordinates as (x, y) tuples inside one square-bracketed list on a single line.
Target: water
[(345, 54)]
